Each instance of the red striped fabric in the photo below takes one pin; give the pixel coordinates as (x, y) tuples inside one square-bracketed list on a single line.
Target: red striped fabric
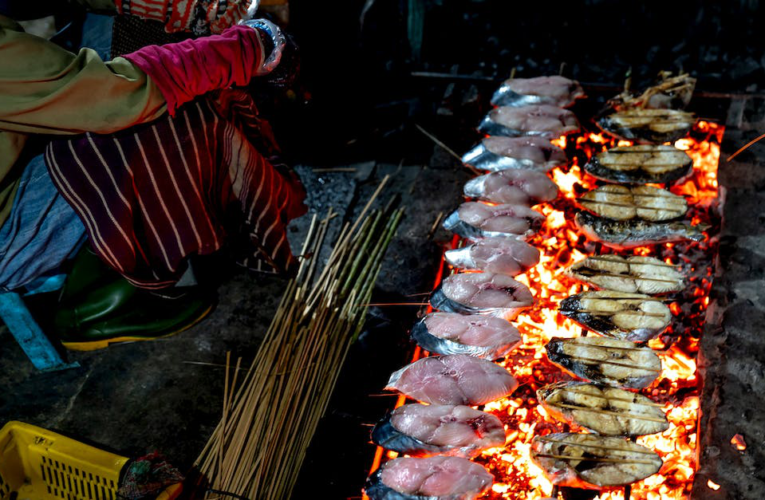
[(152, 195)]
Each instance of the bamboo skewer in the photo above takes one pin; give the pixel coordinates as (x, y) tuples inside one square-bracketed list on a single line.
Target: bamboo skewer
[(602, 259), (614, 313), (594, 446), (572, 391), (614, 363), (607, 347), (593, 459), (614, 275), (627, 205)]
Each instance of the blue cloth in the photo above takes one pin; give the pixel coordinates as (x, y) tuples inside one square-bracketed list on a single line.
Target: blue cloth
[(41, 232)]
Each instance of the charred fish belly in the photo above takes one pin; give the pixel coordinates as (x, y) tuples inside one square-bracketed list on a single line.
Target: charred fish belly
[(474, 220), (589, 461), (432, 478), (647, 275), (607, 411), (485, 337), (482, 293), (618, 363), (641, 202), (624, 316), (640, 164), (513, 187), (635, 233), (426, 430), (539, 120), (654, 126), (496, 154)]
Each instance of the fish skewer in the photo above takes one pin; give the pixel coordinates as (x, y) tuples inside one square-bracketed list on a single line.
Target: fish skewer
[(641, 202), (636, 233), (553, 90), (483, 337), (642, 164), (495, 154), (604, 410), (482, 293), (475, 221), (495, 255), (639, 318), (590, 461), (633, 274), (540, 120), (519, 187), (617, 363), (653, 126)]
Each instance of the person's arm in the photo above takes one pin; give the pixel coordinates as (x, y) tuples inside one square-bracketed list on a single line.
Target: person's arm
[(46, 89)]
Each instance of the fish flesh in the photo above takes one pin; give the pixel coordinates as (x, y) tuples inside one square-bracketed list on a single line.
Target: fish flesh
[(647, 275), (539, 119), (589, 461), (636, 233), (641, 164), (653, 126), (495, 255), (457, 379), (618, 363), (625, 316), (482, 293), (450, 430), (553, 90), (475, 220), (506, 153), (640, 202), (513, 187), (432, 478), (669, 93), (607, 411), (484, 337)]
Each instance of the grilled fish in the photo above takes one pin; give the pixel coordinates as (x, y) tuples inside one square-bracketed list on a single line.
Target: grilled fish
[(654, 126), (589, 461), (482, 293), (453, 380), (646, 275), (426, 430), (640, 202), (640, 164), (495, 255), (483, 337), (512, 153), (433, 478), (554, 90), (604, 410), (515, 187), (636, 233), (474, 220), (670, 93), (539, 119), (625, 316), (617, 363)]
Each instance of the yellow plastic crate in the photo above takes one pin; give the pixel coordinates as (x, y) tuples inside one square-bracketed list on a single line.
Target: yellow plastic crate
[(37, 464)]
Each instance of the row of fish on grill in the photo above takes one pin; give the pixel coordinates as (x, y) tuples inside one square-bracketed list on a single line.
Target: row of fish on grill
[(472, 328)]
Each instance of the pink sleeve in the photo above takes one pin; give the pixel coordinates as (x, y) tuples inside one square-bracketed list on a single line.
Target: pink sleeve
[(191, 68)]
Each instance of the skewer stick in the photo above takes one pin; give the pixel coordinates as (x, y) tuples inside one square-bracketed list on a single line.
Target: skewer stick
[(635, 416), (614, 275), (603, 259), (593, 446), (614, 313), (604, 460), (638, 349), (614, 363), (584, 201)]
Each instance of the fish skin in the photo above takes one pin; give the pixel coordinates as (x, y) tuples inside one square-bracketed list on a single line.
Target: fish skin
[(636, 274), (469, 479), (588, 474), (639, 174), (444, 346), (623, 408), (457, 379), (636, 233), (629, 321), (470, 431), (642, 364)]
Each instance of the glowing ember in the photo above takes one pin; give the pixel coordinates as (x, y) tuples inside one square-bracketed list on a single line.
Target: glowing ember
[(712, 485), (678, 387), (738, 442)]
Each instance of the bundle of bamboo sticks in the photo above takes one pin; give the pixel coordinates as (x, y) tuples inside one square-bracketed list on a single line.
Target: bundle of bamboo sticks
[(270, 416)]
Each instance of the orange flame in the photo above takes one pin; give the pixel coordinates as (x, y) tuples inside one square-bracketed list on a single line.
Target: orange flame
[(738, 442)]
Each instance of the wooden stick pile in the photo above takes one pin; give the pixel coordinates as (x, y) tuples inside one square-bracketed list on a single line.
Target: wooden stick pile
[(270, 417)]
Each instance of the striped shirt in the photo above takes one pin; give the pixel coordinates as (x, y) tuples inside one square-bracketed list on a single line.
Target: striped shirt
[(152, 195)]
